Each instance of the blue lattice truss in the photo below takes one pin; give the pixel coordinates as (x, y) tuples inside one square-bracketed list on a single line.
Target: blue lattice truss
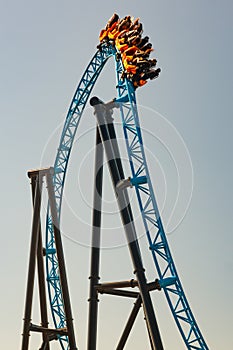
[(158, 244)]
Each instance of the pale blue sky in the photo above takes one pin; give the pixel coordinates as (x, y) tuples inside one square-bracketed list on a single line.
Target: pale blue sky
[(45, 47)]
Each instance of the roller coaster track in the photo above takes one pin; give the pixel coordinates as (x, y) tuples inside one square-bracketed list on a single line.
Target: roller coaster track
[(158, 243)]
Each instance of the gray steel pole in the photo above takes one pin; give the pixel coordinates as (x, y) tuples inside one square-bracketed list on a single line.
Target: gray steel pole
[(41, 274), (129, 323), (61, 261), (116, 170), (95, 249), (32, 263)]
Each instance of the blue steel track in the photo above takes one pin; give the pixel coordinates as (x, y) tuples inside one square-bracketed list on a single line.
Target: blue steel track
[(158, 244)]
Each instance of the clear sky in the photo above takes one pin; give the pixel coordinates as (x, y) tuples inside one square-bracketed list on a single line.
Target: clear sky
[(45, 47)]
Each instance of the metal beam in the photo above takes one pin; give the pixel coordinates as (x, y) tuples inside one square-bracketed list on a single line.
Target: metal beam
[(32, 261), (119, 284), (129, 323), (118, 292), (95, 248), (40, 329), (61, 260), (127, 284), (41, 272)]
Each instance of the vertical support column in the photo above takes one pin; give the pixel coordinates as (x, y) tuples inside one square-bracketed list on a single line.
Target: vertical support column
[(36, 184), (61, 261), (41, 275), (95, 249), (127, 218), (42, 290)]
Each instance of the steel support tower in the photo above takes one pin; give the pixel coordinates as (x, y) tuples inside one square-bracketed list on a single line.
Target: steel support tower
[(106, 141), (36, 257)]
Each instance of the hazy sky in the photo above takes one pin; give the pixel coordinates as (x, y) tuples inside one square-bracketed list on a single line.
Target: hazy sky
[(45, 47)]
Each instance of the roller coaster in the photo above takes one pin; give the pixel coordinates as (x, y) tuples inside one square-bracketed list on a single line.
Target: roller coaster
[(127, 82)]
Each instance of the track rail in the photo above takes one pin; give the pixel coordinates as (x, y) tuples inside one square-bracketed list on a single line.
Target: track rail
[(158, 244), (74, 114)]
